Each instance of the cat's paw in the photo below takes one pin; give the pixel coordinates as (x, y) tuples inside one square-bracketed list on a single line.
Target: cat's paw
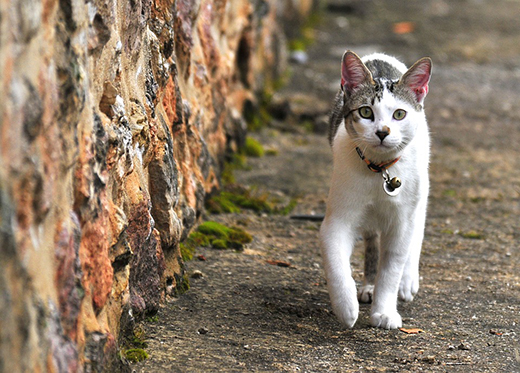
[(388, 320), (347, 315), (408, 287), (366, 293), (344, 301)]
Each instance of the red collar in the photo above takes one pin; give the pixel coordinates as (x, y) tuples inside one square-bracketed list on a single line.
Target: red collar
[(376, 167)]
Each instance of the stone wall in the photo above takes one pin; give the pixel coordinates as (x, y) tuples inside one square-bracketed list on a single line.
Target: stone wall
[(114, 121)]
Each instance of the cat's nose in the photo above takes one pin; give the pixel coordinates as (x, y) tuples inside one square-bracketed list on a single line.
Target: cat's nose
[(382, 134)]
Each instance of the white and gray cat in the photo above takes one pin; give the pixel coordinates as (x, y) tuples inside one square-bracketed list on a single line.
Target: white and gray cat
[(379, 187)]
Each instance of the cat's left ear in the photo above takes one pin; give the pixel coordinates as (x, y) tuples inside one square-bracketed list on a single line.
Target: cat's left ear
[(417, 78)]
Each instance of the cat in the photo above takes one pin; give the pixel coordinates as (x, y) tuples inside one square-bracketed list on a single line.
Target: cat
[(377, 129)]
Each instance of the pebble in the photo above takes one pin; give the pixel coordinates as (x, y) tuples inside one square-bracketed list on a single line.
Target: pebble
[(197, 274), (299, 57), (203, 331), (464, 347)]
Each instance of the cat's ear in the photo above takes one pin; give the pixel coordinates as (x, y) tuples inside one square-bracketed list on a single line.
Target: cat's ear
[(353, 72), (417, 78)]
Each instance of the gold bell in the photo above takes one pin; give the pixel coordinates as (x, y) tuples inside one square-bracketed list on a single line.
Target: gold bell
[(395, 182)]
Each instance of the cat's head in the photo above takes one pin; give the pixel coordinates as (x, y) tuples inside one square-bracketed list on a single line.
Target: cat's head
[(383, 102)]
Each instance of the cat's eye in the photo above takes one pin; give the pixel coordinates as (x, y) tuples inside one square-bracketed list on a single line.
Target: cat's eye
[(399, 114), (365, 112)]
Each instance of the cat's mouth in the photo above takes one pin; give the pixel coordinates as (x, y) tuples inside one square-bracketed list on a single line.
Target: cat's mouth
[(383, 151), (383, 147)]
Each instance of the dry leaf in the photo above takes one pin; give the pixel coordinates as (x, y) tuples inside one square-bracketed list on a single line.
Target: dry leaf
[(411, 330), (278, 263), (403, 27)]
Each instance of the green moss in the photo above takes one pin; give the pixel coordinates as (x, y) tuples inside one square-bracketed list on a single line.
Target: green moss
[(187, 252), (235, 198), (220, 244), (221, 203), (239, 235), (474, 235), (210, 234), (258, 119), (135, 355), (239, 161), (227, 175), (199, 239), (447, 231), (134, 346), (194, 240), (139, 337), (271, 152), (214, 229), (298, 45), (182, 284), (251, 201), (138, 342), (253, 148), (223, 237), (152, 318)]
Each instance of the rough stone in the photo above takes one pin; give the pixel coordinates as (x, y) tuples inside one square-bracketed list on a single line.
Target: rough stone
[(113, 127)]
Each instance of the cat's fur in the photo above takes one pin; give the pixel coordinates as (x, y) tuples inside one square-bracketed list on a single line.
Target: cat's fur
[(392, 226)]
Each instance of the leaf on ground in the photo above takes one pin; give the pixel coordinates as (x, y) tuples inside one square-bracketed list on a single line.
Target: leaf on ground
[(411, 330), (278, 263), (401, 28)]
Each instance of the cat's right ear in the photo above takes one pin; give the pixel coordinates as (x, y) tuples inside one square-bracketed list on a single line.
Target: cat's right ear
[(353, 72), (417, 78)]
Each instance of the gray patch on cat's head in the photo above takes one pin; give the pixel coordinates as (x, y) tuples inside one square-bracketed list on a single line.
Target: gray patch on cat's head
[(388, 76), (383, 70)]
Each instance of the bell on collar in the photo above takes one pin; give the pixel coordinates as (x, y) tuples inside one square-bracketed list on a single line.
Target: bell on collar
[(395, 182)]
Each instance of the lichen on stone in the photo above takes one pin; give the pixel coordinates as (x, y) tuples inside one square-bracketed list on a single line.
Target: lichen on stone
[(183, 284)]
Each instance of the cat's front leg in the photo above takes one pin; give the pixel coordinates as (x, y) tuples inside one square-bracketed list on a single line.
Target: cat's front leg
[(337, 242), (409, 285), (394, 246)]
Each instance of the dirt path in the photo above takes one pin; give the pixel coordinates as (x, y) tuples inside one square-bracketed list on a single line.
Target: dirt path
[(246, 314)]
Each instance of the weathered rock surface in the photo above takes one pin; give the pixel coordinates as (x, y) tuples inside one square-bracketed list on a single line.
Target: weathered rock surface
[(114, 120)]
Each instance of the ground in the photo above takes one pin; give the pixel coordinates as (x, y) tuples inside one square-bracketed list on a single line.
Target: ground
[(249, 312)]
